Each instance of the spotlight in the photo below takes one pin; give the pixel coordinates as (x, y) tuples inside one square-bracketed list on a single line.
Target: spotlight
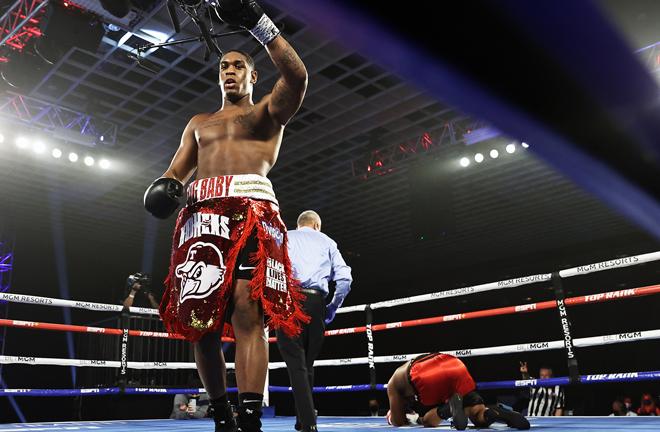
[(22, 142), (73, 157), (39, 147), (2, 137), (104, 164), (510, 148), (465, 162), (89, 161), (478, 158), (525, 145), (57, 153), (494, 153)]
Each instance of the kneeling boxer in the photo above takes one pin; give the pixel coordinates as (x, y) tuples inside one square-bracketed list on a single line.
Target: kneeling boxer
[(439, 387)]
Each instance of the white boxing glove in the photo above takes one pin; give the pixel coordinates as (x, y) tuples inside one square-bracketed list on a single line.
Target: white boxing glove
[(412, 417)]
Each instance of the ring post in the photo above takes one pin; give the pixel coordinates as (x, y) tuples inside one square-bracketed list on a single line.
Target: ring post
[(370, 349), (124, 351), (569, 347)]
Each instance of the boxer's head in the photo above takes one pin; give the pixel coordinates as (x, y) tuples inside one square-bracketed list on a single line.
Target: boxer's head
[(237, 75)]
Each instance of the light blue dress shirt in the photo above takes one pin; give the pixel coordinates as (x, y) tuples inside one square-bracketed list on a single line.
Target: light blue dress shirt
[(316, 260)]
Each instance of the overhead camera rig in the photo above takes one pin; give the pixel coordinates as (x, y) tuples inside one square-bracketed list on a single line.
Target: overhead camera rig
[(198, 11)]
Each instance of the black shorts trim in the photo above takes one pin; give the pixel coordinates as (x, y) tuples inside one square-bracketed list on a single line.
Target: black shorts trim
[(244, 268), (471, 399)]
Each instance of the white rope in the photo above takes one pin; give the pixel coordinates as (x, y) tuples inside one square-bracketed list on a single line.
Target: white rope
[(47, 301), (609, 265), (472, 352), (510, 283), (507, 283), (98, 363)]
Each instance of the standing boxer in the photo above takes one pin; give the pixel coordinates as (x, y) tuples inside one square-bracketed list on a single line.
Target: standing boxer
[(439, 386), (229, 252)]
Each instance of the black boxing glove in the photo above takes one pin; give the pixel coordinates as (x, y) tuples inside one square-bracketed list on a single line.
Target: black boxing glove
[(161, 198), (248, 14)]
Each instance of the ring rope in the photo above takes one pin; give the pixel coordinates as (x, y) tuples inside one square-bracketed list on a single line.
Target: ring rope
[(510, 283), (473, 352), (504, 349), (606, 265), (41, 361), (611, 377), (102, 391), (48, 301), (598, 378), (85, 329), (530, 307), (507, 283)]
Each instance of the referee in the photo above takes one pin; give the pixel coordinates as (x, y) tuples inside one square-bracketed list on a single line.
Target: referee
[(316, 260), (544, 401)]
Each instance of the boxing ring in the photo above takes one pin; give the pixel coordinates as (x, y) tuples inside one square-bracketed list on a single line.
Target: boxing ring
[(568, 152), (357, 424), (569, 345)]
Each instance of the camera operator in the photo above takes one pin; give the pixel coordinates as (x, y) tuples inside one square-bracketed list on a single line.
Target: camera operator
[(139, 294)]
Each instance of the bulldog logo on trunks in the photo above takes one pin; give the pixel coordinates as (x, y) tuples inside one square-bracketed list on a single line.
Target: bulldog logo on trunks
[(202, 272)]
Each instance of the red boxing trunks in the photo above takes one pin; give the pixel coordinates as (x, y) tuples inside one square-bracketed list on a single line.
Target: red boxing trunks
[(221, 213), (436, 377)]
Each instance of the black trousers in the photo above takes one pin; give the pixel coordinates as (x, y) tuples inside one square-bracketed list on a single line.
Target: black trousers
[(299, 354)]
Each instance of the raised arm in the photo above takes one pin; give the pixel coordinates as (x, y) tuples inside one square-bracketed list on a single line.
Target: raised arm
[(524, 371), (290, 89)]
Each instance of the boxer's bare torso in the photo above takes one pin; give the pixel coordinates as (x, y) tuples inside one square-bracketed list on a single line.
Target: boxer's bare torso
[(242, 137), (236, 140)]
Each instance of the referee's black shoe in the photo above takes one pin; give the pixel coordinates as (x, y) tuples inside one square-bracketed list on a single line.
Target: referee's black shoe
[(459, 418), (512, 419)]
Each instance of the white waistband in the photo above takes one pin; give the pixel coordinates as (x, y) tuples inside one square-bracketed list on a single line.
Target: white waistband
[(241, 185)]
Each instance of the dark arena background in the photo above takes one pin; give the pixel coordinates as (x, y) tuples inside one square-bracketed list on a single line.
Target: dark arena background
[(490, 170)]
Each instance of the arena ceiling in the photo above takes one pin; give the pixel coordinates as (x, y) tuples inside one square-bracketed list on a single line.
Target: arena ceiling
[(504, 211)]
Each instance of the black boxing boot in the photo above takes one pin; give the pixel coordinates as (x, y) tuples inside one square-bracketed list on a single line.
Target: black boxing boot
[(512, 419), (443, 411), (311, 428), (459, 418), (248, 420), (223, 414)]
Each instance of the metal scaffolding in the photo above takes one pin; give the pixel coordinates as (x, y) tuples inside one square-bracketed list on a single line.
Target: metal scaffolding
[(62, 122), (391, 157), (19, 23)]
